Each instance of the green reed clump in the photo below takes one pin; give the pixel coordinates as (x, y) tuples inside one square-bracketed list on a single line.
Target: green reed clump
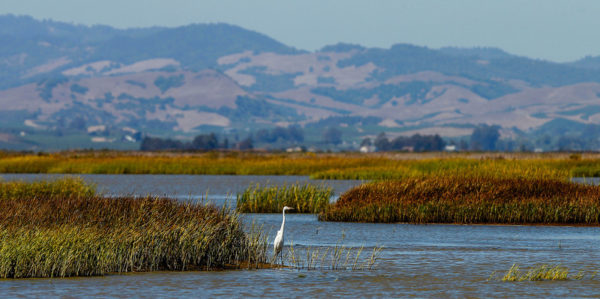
[(540, 273), (467, 199), (65, 187), (306, 198), (44, 235)]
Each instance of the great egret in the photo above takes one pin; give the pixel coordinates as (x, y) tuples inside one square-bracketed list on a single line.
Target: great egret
[(278, 243)]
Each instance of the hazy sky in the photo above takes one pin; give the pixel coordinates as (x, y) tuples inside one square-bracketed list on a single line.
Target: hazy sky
[(557, 30)]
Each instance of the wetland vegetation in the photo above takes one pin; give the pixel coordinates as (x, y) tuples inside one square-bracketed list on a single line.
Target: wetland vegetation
[(304, 198), (543, 272), (61, 229), (64, 228), (469, 199), (318, 166), (423, 188)]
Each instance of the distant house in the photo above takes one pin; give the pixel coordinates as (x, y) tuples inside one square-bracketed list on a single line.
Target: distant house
[(408, 149), (102, 139), (450, 148), (129, 130), (293, 149), (367, 149), (96, 129)]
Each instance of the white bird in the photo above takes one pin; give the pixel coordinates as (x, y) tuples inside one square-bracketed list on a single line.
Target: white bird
[(278, 243)]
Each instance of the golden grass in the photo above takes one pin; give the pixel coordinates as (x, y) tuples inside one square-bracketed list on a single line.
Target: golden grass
[(324, 166), (210, 163)]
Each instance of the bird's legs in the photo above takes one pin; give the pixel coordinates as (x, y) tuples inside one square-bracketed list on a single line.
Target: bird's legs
[(281, 255)]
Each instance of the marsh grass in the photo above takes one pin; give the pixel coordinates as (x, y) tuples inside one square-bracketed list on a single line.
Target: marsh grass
[(233, 163), (338, 257), (63, 188), (543, 272), (66, 232), (304, 198), (499, 168), (467, 199), (318, 166)]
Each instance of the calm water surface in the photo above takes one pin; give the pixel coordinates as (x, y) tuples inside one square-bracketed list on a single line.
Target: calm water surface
[(417, 261), (216, 188)]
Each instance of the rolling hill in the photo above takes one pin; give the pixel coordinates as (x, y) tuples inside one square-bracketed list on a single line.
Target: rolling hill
[(64, 85)]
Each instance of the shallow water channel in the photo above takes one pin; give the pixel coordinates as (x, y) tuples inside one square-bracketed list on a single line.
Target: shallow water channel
[(417, 260)]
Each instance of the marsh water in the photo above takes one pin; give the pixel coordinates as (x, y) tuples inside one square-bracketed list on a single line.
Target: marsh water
[(417, 260)]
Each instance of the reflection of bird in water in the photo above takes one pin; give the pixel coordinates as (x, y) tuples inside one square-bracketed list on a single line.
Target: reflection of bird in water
[(278, 243)]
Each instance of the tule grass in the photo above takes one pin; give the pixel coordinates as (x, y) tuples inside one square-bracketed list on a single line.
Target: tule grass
[(338, 257), (469, 200), (59, 230), (305, 198)]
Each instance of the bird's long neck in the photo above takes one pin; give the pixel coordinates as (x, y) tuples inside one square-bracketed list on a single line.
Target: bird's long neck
[(283, 222)]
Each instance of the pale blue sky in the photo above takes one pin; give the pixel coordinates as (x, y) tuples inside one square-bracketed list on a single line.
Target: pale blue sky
[(557, 30)]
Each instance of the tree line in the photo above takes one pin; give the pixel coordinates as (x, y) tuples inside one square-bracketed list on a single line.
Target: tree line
[(416, 143), (483, 138), (200, 142), (291, 134)]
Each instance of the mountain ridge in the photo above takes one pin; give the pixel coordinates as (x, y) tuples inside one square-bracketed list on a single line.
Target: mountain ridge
[(65, 80)]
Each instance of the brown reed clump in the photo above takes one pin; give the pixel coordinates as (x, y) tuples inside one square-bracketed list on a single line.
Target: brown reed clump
[(469, 199), (73, 235)]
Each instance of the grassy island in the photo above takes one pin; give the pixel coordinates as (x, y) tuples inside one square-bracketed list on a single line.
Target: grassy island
[(469, 200), (62, 228)]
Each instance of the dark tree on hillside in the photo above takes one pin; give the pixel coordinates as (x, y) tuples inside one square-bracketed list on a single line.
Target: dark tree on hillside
[(205, 142), (289, 134), (332, 135), (463, 145), (200, 142), (296, 133), (263, 135), (418, 143), (245, 144), (225, 144), (382, 143), (484, 137), (157, 144), (366, 142), (570, 143)]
